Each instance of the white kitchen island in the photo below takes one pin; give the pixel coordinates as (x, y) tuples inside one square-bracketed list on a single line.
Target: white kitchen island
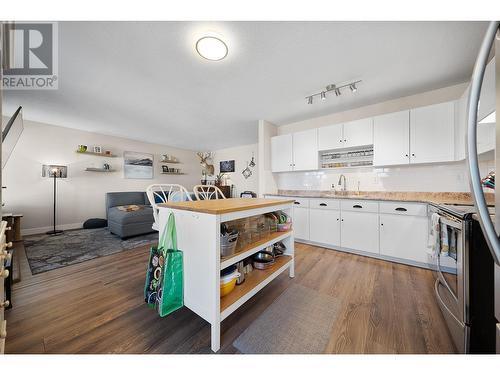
[(198, 236)]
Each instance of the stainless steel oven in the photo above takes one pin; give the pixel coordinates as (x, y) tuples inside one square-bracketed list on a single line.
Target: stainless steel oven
[(450, 269), (464, 278)]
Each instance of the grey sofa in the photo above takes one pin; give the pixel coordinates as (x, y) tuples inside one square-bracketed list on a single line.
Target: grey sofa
[(127, 224)]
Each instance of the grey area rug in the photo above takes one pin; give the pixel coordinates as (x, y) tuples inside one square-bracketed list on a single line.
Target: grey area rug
[(46, 252), (298, 322)]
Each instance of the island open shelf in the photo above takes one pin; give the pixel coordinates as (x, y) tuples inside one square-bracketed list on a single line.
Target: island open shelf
[(254, 247), (254, 281), (198, 237)]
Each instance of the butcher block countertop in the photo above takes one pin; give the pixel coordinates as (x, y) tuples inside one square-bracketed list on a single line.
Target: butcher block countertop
[(224, 206)]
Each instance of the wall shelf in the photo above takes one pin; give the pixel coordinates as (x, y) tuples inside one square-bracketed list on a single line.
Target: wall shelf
[(172, 173), (97, 154), (99, 170), (170, 161)]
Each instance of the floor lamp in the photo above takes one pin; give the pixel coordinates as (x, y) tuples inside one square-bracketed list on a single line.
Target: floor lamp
[(54, 172)]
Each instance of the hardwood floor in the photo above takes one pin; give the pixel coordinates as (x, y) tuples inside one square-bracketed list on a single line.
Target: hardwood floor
[(97, 307)]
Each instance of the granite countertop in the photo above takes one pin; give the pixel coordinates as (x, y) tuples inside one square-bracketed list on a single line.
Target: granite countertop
[(407, 196)]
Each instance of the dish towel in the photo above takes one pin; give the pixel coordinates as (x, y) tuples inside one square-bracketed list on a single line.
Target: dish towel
[(445, 248), (434, 242)]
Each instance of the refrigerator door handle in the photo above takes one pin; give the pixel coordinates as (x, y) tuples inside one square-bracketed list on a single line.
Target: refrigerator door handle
[(472, 160)]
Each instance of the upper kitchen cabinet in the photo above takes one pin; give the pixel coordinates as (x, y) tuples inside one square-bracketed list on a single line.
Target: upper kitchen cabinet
[(351, 134), (295, 152), (331, 137), (282, 153), (305, 150), (486, 125), (358, 133), (488, 92), (391, 138), (432, 137)]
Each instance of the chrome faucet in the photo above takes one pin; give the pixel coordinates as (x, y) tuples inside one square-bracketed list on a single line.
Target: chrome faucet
[(340, 182)]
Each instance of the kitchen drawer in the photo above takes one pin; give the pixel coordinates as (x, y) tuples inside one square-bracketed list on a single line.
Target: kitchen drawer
[(359, 205), (301, 202), (324, 204), (403, 208)]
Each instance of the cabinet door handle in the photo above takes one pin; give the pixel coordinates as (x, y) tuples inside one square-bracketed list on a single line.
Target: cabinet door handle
[(413, 155), (382, 224), (296, 202), (323, 204), (357, 206), (406, 155), (401, 209)]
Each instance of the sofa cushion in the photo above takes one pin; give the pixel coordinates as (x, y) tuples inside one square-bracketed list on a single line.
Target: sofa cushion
[(144, 215)]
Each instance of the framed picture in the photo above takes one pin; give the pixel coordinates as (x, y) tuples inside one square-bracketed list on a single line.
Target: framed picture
[(98, 149), (137, 165), (227, 166)]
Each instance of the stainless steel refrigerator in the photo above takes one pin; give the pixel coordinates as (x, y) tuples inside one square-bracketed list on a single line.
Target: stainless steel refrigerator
[(490, 224)]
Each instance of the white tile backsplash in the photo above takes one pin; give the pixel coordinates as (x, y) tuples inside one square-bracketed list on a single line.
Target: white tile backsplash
[(428, 178)]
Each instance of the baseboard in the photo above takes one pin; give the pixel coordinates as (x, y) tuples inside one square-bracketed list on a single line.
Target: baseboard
[(30, 231)]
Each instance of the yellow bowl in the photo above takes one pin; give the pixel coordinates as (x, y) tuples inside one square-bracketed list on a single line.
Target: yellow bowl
[(227, 288)]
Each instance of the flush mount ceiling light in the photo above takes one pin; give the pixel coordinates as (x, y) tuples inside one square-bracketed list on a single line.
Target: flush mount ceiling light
[(335, 89), (211, 48)]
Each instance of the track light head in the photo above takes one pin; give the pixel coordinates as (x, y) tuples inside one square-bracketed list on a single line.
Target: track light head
[(310, 100), (323, 95), (337, 92), (353, 87)]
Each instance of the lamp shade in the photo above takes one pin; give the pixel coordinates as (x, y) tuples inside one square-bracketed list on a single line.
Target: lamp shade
[(52, 170)]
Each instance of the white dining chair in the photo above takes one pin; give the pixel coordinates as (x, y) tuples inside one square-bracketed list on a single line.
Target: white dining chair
[(162, 193), (204, 192)]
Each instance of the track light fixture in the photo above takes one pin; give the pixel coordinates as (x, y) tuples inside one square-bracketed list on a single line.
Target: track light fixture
[(333, 88)]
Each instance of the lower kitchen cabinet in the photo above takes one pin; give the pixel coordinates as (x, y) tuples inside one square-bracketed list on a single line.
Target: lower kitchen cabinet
[(359, 231), (324, 226), (301, 223), (404, 237)]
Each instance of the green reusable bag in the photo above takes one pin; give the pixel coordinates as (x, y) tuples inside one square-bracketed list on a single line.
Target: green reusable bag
[(170, 290)]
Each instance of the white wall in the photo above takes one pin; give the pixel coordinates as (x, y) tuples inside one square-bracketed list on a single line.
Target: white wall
[(419, 100), (267, 182), (431, 177), (241, 155), (82, 194)]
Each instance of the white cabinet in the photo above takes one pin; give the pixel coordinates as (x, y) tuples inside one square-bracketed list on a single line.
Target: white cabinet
[(391, 138), (358, 133), (324, 226), (432, 137), (488, 92), (404, 236), (351, 134), (359, 231), (330, 137), (281, 153), (295, 152), (305, 150), (300, 222)]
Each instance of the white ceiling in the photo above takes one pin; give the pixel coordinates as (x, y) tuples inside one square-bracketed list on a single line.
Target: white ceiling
[(144, 80)]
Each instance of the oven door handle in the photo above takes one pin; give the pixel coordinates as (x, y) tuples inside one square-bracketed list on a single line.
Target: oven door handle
[(450, 223), (441, 302)]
